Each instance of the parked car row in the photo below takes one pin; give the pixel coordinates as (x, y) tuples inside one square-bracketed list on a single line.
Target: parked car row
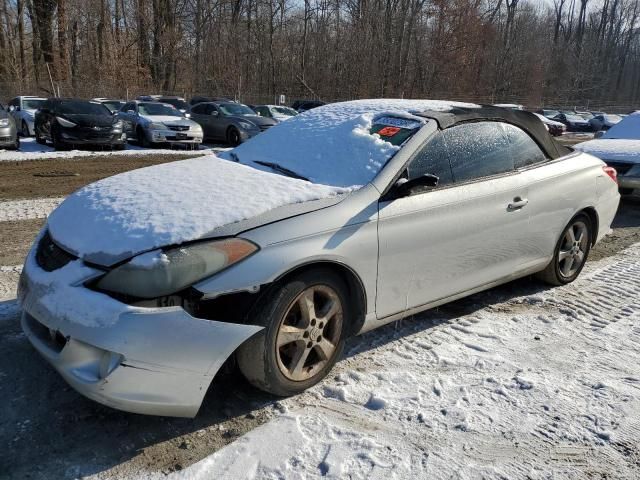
[(150, 120), (581, 121)]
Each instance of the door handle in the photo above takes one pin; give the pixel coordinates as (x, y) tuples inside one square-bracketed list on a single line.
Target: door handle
[(517, 204)]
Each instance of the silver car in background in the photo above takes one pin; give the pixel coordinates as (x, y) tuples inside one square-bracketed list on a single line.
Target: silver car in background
[(23, 110), (336, 222), (8, 133), (152, 123)]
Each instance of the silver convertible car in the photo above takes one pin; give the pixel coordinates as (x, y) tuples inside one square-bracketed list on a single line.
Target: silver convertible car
[(347, 217)]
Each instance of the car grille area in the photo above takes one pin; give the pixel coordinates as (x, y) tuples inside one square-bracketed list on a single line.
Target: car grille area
[(50, 256), (178, 128)]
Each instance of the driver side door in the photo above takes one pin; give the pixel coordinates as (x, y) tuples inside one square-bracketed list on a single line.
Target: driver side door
[(464, 233)]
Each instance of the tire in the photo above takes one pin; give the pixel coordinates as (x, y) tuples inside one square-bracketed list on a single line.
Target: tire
[(233, 137), (17, 144), (40, 140), (625, 191), (57, 143), (24, 129), (312, 342), (562, 271), (142, 139), (118, 147)]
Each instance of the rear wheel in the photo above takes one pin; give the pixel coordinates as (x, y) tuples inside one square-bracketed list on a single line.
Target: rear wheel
[(571, 252), (305, 324)]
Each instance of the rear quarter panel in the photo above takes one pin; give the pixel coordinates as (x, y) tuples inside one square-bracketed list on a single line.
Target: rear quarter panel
[(561, 188)]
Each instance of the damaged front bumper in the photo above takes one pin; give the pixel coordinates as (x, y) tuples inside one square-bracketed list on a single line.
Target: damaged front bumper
[(157, 361)]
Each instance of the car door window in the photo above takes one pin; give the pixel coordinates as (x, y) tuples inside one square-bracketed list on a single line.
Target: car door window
[(432, 159), (524, 150), (477, 150)]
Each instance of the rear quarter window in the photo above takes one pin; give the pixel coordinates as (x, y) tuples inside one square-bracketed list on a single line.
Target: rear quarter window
[(525, 150)]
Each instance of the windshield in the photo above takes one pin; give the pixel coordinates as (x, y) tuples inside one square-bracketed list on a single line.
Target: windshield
[(574, 118), (550, 113), (341, 144), (289, 112), (32, 104), (176, 102), (154, 108), (612, 118), (80, 107), (113, 105), (235, 109)]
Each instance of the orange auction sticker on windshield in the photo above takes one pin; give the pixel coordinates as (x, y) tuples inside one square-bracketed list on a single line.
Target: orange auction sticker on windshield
[(388, 131)]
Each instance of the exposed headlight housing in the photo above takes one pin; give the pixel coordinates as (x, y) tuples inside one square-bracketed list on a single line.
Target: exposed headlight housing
[(4, 122), (65, 123), (157, 126), (163, 272), (117, 127)]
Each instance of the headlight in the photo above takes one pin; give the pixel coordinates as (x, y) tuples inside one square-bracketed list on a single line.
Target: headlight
[(158, 273), (4, 122), (247, 125), (157, 126), (118, 126), (65, 123), (196, 127)]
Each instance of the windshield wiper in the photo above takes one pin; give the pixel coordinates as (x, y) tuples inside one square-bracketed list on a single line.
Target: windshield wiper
[(280, 169)]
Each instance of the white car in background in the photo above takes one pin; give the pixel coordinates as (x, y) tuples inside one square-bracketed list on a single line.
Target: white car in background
[(604, 121), (279, 113), (619, 147), (554, 128), (23, 109)]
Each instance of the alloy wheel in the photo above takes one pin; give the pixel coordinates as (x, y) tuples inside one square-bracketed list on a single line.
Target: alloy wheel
[(573, 249), (309, 333)]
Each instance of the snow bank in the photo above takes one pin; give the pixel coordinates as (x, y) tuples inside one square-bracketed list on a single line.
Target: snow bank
[(628, 127), (30, 150), (171, 203), (612, 149), (331, 145)]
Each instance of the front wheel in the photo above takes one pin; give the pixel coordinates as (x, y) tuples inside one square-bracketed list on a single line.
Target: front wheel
[(571, 252), (233, 137), (39, 138), (305, 324), (24, 129)]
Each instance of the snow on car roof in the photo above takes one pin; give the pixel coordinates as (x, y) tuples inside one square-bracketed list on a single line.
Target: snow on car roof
[(115, 218), (332, 145), (628, 128), (624, 150)]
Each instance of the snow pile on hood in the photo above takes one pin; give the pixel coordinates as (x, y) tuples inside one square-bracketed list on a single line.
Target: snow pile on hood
[(331, 145), (628, 128), (612, 149), (169, 204)]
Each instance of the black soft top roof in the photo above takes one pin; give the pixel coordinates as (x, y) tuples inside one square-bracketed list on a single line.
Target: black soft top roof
[(525, 120)]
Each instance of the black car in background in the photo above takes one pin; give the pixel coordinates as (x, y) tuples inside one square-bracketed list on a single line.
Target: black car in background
[(304, 105), (69, 122)]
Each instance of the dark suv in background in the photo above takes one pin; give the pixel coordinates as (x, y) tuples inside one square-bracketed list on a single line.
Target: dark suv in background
[(68, 122)]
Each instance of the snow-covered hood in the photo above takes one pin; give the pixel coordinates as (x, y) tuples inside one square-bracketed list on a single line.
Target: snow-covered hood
[(169, 204), (617, 150), (167, 119), (255, 119)]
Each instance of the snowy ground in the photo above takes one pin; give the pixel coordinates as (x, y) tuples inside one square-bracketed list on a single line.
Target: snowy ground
[(27, 209), (30, 150), (522, 381)]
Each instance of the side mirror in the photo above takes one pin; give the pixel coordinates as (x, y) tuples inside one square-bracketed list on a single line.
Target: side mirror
[(404, 187), (214, 113), (187, 115), (599, 134), (12, 108)]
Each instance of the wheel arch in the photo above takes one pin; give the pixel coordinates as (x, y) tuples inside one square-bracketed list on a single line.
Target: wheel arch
[(357, 291), (592, 213)]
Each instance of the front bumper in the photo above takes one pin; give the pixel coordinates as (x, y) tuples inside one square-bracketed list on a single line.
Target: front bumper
[(8, 136), (171, 136), (71, 136), (157, 361)]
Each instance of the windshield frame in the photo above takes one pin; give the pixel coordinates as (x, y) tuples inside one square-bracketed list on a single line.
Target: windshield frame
[(64, 107), (169, 110), (27, 101), (225, 111)]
